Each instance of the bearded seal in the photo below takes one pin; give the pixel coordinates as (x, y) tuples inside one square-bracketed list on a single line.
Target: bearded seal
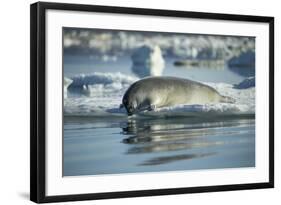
[(156, 92)]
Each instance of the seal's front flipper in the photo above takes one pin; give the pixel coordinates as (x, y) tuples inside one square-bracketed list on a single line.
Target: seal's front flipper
[(226, 99), (121, 106), (152, 107)]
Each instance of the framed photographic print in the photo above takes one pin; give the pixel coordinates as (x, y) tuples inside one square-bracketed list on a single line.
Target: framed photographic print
[(129, 102)]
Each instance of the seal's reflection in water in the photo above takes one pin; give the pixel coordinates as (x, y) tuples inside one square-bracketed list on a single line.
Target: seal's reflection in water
[(115, 145), (178, 139)]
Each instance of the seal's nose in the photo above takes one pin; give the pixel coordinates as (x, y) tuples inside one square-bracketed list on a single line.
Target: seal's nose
[(130, 110)]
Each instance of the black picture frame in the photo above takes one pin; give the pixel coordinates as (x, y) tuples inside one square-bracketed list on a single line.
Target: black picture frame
[(38, 101)]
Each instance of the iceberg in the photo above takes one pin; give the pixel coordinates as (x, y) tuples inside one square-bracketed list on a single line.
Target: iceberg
[(245, 59), (66, 83), (99, 83), (148, 61)]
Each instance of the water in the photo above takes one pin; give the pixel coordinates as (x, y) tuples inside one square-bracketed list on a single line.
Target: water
[(103, 141), (112, 146), (88, 64)]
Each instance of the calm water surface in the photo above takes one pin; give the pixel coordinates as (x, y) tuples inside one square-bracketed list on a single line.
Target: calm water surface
[(112, 146)]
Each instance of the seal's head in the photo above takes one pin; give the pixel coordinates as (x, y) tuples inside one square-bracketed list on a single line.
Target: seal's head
[(130, 104), (129, 101)]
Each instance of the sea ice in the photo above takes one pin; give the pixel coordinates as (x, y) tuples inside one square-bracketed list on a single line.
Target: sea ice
[(107, 89)]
